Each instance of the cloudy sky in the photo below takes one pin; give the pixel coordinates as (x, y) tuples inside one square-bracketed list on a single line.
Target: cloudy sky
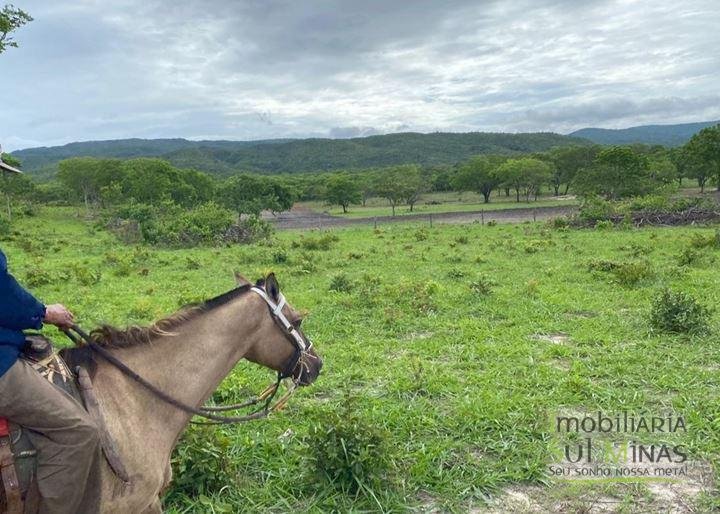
[(256, 69)]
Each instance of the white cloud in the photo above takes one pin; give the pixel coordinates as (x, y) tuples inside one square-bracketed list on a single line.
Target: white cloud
[(251, 70)]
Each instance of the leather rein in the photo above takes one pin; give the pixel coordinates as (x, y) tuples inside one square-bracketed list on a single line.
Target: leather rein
[(301, 344)]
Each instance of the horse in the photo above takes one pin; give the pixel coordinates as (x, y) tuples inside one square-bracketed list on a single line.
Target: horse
[(185, 356)]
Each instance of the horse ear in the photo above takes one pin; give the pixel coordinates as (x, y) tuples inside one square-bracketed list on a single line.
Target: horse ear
[(241, 281), (272, 287)]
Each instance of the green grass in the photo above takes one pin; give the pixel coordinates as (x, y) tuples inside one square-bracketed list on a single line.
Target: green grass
[(437, 338), (448, 202)]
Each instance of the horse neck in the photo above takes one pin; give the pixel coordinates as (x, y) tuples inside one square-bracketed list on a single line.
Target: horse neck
[(188, 364)]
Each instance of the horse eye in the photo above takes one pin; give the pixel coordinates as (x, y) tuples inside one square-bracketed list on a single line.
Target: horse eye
[(296, 323)]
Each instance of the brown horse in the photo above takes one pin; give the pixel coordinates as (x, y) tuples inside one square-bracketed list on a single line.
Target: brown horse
[(186, 356)]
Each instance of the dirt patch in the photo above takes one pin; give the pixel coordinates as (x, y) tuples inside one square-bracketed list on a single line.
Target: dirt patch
[(306, 219), (554, 338)]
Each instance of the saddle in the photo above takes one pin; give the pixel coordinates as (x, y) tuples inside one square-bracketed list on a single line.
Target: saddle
[(18, 457)]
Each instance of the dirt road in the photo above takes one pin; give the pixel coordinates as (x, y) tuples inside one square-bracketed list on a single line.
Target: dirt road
[(307, 219)]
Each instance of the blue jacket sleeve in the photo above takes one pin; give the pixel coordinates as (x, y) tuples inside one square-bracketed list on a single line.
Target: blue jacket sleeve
[(19, 310)]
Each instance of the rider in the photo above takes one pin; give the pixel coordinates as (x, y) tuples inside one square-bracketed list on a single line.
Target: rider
[(65, 438)]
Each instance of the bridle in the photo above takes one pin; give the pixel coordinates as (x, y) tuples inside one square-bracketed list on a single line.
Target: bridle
[(301, 345), (299, 341)]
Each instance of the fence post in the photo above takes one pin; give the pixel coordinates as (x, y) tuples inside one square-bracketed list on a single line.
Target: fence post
[(430, 220), (534, 214), (482, 217), (375, 222)]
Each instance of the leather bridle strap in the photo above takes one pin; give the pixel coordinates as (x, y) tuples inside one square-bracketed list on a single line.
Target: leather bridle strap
[(267, 396)]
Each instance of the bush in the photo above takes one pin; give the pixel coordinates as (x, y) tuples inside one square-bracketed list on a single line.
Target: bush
[(604, 225), (323, 242), (250, 230), (690, 257), (679, 312), (341, 283), (202, 463), (349, 452), (482, 286), (624, 273), (710, 241), (594, 209), (650, 203)]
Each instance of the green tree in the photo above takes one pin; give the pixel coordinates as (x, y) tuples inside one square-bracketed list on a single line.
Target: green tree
[(79, 176), (525, 176), (479, 175), (569, 160), (412, 185), (617, 172), (11, 19), (704, 149), (390, 184), (252, 194), (342, 190)]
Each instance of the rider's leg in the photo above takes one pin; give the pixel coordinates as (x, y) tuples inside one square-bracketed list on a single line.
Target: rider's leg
[(66, 439)]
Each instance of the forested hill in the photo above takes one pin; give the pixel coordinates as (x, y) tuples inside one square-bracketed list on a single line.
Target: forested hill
[(667, 135), (300, 155)]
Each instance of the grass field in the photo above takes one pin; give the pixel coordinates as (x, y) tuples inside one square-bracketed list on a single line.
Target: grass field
[(457, 344), (436, 203)]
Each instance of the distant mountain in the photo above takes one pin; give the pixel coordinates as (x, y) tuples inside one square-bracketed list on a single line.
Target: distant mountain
[(667, 135), (299, 155)]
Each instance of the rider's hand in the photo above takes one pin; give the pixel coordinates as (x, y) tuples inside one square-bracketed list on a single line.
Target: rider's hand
[(58, 315)]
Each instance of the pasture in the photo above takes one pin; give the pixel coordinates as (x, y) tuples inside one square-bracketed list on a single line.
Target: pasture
[(447, 351), (439, 202)]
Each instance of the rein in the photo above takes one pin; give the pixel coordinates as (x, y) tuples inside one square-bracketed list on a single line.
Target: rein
[(82, 338)]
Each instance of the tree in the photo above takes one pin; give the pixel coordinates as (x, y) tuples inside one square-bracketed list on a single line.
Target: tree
[(678, 156), (252, 194), (568, 161), (399, 184), (479, 175), (79, 176), (342, 190), (617, 172), (525, 176), (11, 19), (412, 185), (704, 149), (15, 186)]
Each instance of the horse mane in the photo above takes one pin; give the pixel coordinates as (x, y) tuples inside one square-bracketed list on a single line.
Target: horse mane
[(111, 337)]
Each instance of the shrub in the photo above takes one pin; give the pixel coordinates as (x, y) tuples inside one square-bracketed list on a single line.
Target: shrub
[(559, 223), (679, 312), (482, 286), (650, 203), (624, 273), (280, 256), (594, 208), (689, 257), (341, 283), (349, 452), (323, 242), (250, 230), (709, 241), (85, 276), (455, 273), (604, 225), (37, 276), (202, 463)]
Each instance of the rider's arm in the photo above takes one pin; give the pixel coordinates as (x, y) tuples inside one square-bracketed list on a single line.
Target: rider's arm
[(19, 310)]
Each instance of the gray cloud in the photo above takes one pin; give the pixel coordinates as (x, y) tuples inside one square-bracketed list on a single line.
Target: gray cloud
[(263, 69)]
